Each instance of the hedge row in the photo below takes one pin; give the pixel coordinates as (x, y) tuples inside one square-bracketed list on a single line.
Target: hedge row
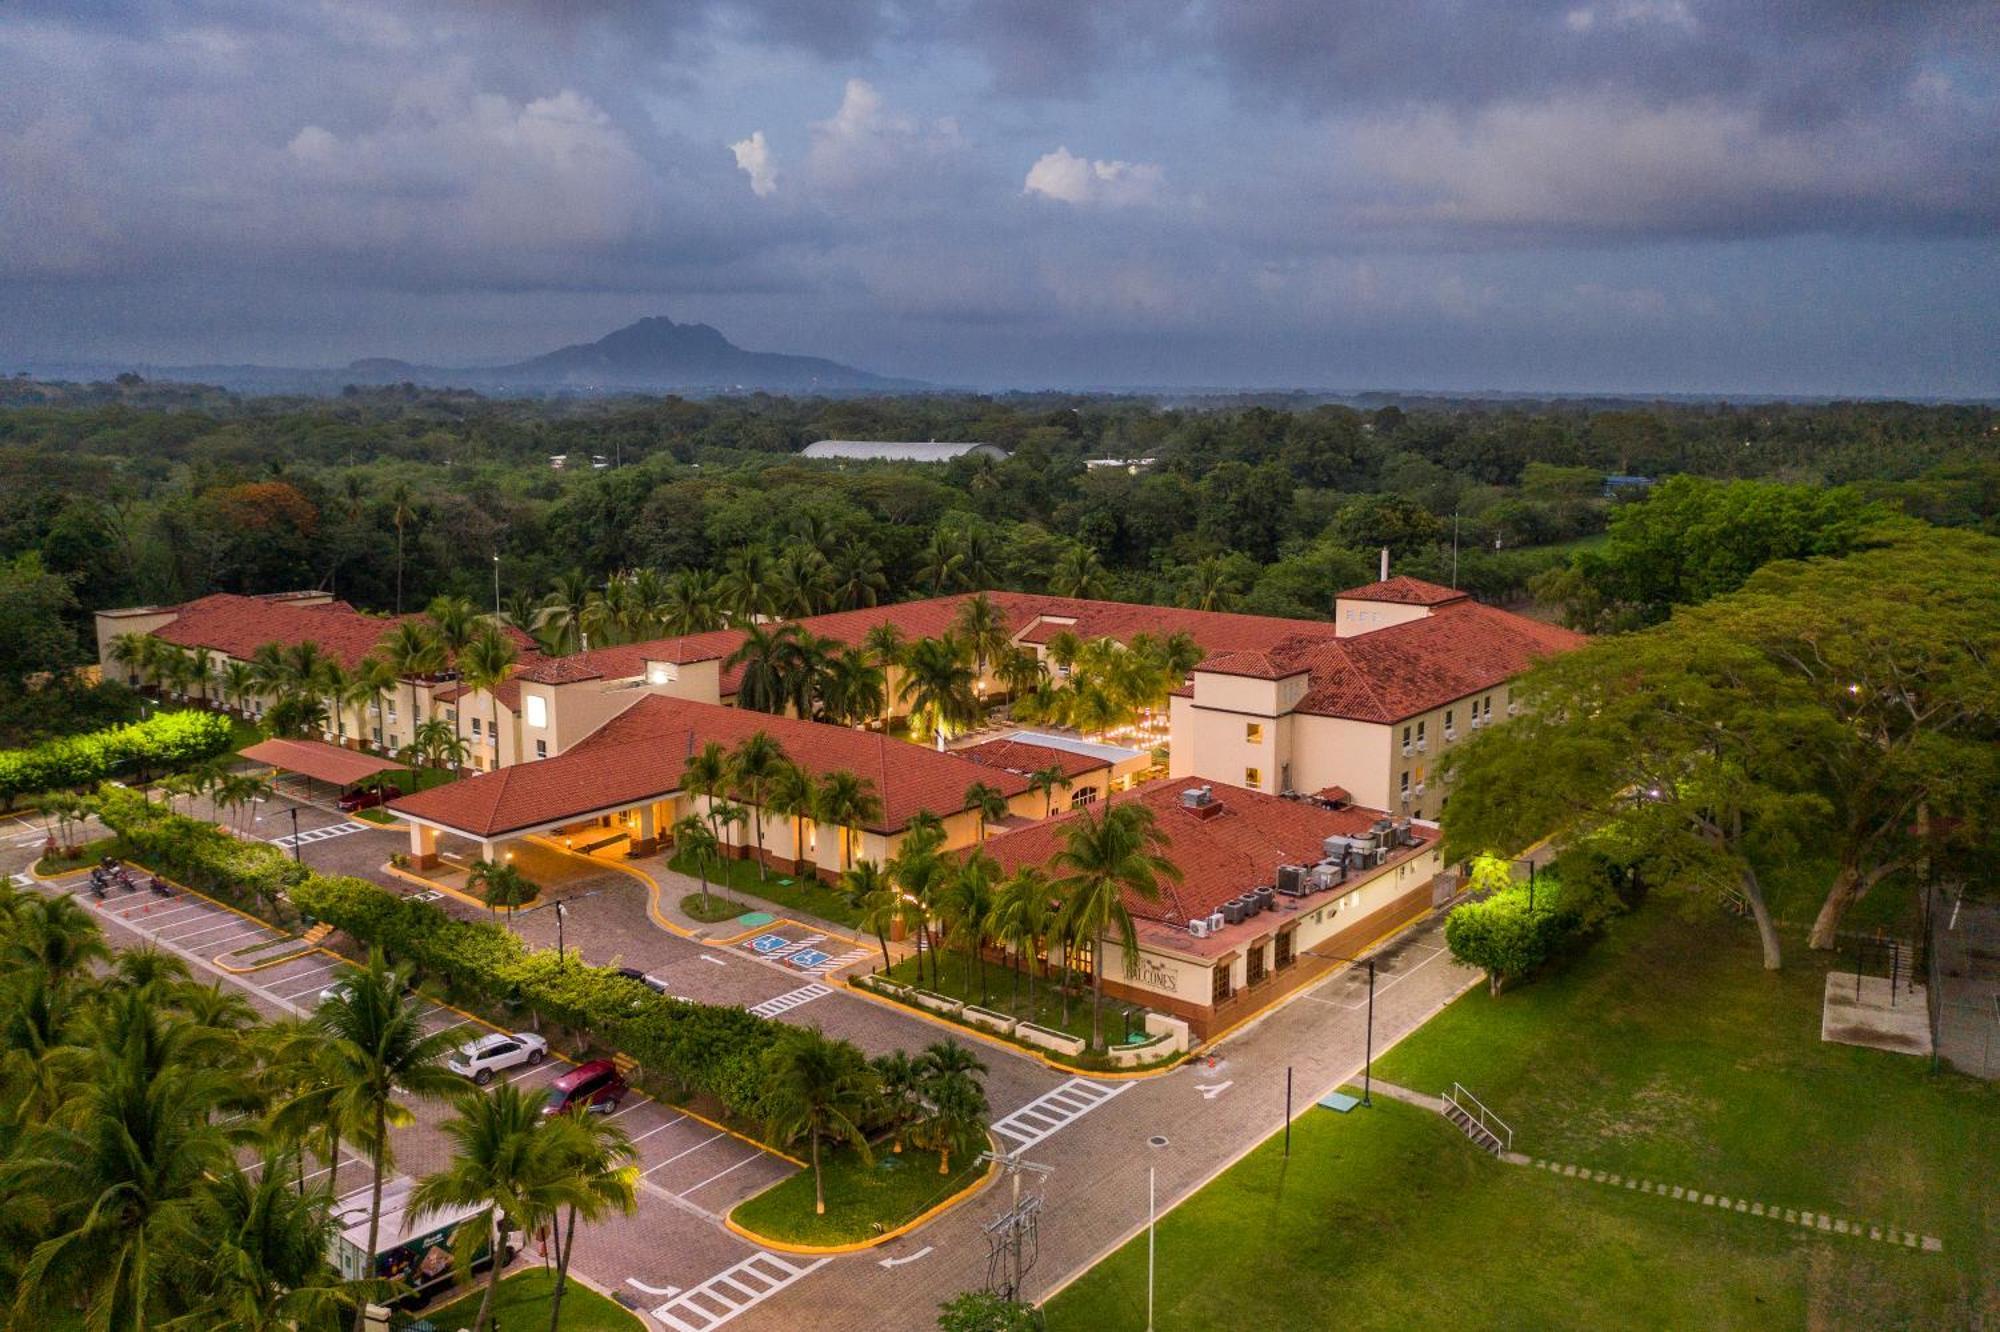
[(253, 875), (169, 740), (699, 1048)]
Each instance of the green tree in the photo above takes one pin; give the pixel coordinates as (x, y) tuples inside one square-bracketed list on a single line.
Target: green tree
[(696, 840), (484, 663), (848, 801), (986, 803), (1106, 856), (501, 885), (821, 1090), (937, 686), (753, 766), (983, 1311)]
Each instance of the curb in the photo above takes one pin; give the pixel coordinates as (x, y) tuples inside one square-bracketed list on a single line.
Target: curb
[(922, 1219), (456, 894)]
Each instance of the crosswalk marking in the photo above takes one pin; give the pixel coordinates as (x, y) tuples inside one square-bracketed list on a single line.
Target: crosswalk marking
[(311, 835), (1048, 1113), (785, 1003), (731, 1291)]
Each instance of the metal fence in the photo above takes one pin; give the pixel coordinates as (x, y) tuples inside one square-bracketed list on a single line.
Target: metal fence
[(1964, 974)]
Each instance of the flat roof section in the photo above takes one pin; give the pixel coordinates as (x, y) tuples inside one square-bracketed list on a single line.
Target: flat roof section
[(1112, 754)]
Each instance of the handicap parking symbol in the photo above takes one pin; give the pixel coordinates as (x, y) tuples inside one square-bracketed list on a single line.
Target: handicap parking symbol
[(810, 958), (770, 943)]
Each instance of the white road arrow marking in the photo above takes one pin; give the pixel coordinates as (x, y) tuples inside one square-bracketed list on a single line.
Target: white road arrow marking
[(1210, 1093), (668, 1291), (906, 1258)]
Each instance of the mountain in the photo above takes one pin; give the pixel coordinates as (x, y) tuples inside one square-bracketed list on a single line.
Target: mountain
[(655, 355)]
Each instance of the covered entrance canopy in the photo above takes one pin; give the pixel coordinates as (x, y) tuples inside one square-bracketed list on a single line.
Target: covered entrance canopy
[(320, 761)]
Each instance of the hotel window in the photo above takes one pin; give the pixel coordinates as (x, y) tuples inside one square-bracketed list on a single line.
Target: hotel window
[(1447, 719), (1253, 778), (1285, 954), (1082, 796), (1406, 735), (538, 710), (1420, 731), (1253, 965), (378, 735), (1253, 733), (541, 749), (1406, 785), (1219, 991), (475, 728)]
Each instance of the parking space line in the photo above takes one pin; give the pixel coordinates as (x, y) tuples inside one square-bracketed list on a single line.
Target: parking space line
[(720, 1173), (178, 937), (678, 1155), (641, 1137), (229, 943)]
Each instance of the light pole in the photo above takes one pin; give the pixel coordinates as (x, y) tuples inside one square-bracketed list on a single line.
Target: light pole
[(560, 912), (1368, 1064), (496, 584), (297, 857)]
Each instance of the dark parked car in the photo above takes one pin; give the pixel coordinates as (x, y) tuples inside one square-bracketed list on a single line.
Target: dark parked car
[(595, 1087), (653, 983), (368, 798)]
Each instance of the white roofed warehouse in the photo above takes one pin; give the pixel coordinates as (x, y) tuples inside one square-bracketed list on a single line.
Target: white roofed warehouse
[(869, 450)]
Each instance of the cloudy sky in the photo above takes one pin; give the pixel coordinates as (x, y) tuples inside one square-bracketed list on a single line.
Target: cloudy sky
[(1675, 195)]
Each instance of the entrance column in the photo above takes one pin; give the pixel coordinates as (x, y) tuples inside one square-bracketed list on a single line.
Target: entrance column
[(648, 841), (423, 846)]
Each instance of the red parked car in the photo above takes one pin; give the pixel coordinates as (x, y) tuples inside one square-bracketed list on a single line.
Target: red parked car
[(592, 1087), (367, 798)]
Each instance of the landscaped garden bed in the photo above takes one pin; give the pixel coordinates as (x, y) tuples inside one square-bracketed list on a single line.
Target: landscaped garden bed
[(864, 1199), (86, 855), (522, 1301), (800, 893), (714, 908)]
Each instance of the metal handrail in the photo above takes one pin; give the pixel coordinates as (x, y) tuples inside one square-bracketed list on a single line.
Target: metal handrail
[(1472, 1105)]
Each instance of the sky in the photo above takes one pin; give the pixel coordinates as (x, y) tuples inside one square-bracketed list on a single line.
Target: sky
[(1578, 195)]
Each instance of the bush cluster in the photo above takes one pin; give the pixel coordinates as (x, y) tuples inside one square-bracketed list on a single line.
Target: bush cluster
[(1503, 936), (253, 875), (169, 740), (698, 1048)]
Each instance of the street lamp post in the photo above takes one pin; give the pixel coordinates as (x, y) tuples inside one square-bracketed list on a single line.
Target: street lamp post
[(1368, 1058), (496, 583), (559, 934), (297, 857)]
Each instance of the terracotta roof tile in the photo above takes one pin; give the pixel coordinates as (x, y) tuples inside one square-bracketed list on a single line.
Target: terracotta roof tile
[(1022, 758), (626, 660), (1402, 590), (238, 626)]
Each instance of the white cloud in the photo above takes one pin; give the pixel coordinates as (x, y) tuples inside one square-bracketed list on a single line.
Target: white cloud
[(1633, 13), (1064, 176), (864, 143), (753, 156)]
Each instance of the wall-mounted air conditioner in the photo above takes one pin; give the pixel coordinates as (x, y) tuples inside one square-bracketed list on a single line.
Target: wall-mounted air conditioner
[(1198, 927), (1408, 750), (1216, 921), (1451, 734), (1423, 746), (1418, 788)]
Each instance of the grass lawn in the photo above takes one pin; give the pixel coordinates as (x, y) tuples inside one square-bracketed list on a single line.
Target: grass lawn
[(862, 1200), (523, 1302), (1665, 1053), (796, 893), (87, 854), (243, 734), (718, 908), (958, 978)]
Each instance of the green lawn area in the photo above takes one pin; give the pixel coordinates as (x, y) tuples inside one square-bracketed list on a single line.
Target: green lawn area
[(796, 893), (958, 978), (243, 734), (717, 908), (862, 1199), (87, 854), (1665, 1053), (523, 1302)]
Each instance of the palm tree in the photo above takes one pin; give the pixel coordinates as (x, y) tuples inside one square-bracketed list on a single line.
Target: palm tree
[(763, 685), (846, 800), (1079, 574), (818, 1089), (986, 803), (336, 685), (853, 688), (748, 584), (505, 1163), (402, 511), (1106, 857), (454, 623), (55, 936), (868, 890), (696, 840), (691, 604), (1210, 585), (967, 909), (857, 578), (484, 665), (1023, 912), (884, 643), (941, 567), (439, 745), (203, 663), (598, 1177), (806, 659), (238, 679), (801, 581), (411, 650), (135, 654), (379, 1051), (792, 796), (559, 622), (264, 1248), (500, 885), (1046, 780), (919, 871), (1019, 671), (980, 626), (375, 678), (706, 774), (937, 685), (901, 1080), (953, 1099), (752, 767)]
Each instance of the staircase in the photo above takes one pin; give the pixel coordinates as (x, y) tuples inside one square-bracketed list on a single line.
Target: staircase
[(316, 934), (1486, 1130), (624, 1063)]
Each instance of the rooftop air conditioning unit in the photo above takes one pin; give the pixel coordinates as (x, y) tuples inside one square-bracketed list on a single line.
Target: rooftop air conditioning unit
[(1232, 911), (1197, 797), (1333, 848), (1266, 898), (1291, 880), (1513, 709), (1403, 837), (1381, 854), (1198, 927), (1216, 920)]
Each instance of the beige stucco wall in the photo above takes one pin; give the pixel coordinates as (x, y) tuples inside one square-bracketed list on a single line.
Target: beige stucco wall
[(1422, 764), (1352, 616)]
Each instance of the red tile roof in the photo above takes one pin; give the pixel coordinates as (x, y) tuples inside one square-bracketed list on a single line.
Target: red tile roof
[(1034, 618), (626, 660), (1221, 854), (1403, 590), (1023, 758), (1404, 669), (319, 760), (509, 693), (237, 626), (639, 755)]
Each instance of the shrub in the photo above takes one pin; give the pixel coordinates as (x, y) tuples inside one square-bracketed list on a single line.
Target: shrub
[(252, 875), (983, 1311), (1508, 940), (169, 740)]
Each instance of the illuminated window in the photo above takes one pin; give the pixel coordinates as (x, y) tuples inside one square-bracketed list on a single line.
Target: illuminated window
[(538, 710), (541, 749), (1253, 778), (1253, 732)]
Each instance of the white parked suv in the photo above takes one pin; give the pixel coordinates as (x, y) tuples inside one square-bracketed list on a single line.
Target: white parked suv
[(481, 1059)]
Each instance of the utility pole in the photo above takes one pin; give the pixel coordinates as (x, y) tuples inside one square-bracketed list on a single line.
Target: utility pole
[(1152, 1217), (1013, 1239)]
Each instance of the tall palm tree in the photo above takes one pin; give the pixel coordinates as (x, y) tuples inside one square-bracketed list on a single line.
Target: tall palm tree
[(202, 662), (436, 744), (920, 871), (706, 774), (1023, 913), (847, 800), (853, 688), (806, 658), (748, 584), (696, 840), (857, 579), (752, 767), (818, 1089), (986, 803), (1079, 573), (504, 1163), (1047, 781), (1105, 857), (134, 653), (868, 890), (484, 665), (792, 795), (901, 1079), (967, 909), (335, 683), (1019, 671), (264, 1248), (886, 645), (559, 623), (764, 657), (411, 650), (801, 581), (646, 605), (238, 679), (454, 623), (1210, 585), (500, 885), (937, 686), (691, 605), (981, 627), (941, 566), (402, 512), (598, 1177), (55, 936), (953, 1101), (376, 678), (377, 1044)]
